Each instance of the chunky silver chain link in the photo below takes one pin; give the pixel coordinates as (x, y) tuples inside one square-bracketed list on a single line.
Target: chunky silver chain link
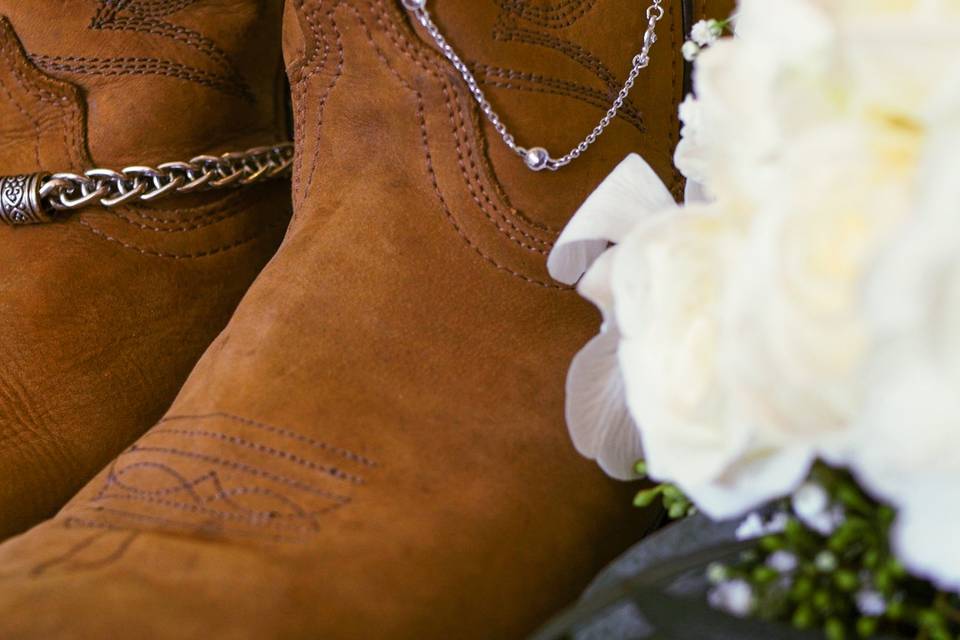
[(538, 158), (109, 188)]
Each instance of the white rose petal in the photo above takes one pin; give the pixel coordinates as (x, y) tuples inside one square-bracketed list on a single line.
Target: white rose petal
[(628, 195)]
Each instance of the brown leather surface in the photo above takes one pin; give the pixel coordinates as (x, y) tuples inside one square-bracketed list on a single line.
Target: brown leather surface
[(103, 314), (375, 446)]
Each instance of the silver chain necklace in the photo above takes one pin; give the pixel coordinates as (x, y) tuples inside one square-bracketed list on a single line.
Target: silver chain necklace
[(538, 158)]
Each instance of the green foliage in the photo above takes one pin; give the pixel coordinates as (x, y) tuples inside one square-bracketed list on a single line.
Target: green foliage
[(674, 502), (846, 583)]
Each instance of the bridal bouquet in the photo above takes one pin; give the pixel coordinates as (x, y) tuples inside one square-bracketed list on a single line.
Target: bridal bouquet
[(791, 334)]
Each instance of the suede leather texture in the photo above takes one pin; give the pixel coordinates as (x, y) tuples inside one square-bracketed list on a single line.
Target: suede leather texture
[(104, 313), (375, 446)]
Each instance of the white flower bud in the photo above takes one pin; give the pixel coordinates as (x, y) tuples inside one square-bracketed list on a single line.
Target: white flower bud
[(871, 603), (734, 597), (706, 32), (782, 561), (825, 561)]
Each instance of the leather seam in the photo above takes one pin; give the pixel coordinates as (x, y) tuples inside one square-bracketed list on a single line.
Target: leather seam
[(556, 16), (406, 48), (178, 256), (137, 66), (22, 70), (324, 96), (34, 123), (287, 433), (471, 175), (200, 222)]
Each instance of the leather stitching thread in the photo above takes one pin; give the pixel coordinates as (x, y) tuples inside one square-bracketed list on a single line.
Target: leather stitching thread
[(560, 15), (181, 256), (405, 48), (146, 16), (137, 66), (333, 472), (461, 136), (28, 79), (69, 559), (287, 433), (194, 223), (208, 494), (421, 117)]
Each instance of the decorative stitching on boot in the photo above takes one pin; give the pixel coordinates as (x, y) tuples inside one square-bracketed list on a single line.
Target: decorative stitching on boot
[(334, 472), (47, 90), (70, 557), (505, 31), (468, 166), (243, 467), (139, 66), (145, 16), (322, 101), (474, 182), (430, 168), (459, 131), (556, 16), (201, 221), (181, 256), (205, 529), (420, 55), (449, 214), (210, 489), (287, 433), (33, 121)]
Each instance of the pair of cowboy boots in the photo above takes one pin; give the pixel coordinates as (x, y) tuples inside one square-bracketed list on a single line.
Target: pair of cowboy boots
[(374, 445)]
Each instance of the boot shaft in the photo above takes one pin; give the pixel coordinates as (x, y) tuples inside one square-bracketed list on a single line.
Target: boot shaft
[(157, 81), (550, 70)]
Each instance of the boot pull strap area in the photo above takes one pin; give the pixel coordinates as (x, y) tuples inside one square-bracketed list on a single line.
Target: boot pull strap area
[(37, 198)]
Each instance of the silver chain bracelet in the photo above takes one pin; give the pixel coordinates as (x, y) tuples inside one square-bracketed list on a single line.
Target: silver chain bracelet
[(36, 198), (538, 158)]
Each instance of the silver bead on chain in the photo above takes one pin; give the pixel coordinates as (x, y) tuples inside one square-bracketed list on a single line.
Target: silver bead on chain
[(538, 158)]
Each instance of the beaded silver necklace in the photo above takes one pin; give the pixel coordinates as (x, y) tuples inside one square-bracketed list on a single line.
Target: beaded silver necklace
[(538, 158)]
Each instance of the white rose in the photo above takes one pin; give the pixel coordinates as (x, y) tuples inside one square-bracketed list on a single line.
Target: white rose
[(908, 431), (752, 93), (669, 279), (736, 332), (794, 334), (596, 411), (660, 290)]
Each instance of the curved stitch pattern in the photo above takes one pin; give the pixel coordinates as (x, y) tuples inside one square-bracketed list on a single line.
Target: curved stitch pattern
[(418, 57), (472, 175), (560, 15), (179, 256), (287, 433)]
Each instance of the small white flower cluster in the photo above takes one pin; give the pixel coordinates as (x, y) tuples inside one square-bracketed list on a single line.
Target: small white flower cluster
[(735, 597), (812, 505), (704, 34), (756, 526), (805, 303)]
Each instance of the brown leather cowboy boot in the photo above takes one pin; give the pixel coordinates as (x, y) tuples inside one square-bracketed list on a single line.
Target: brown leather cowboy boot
[(104, 312), (375, 446)]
